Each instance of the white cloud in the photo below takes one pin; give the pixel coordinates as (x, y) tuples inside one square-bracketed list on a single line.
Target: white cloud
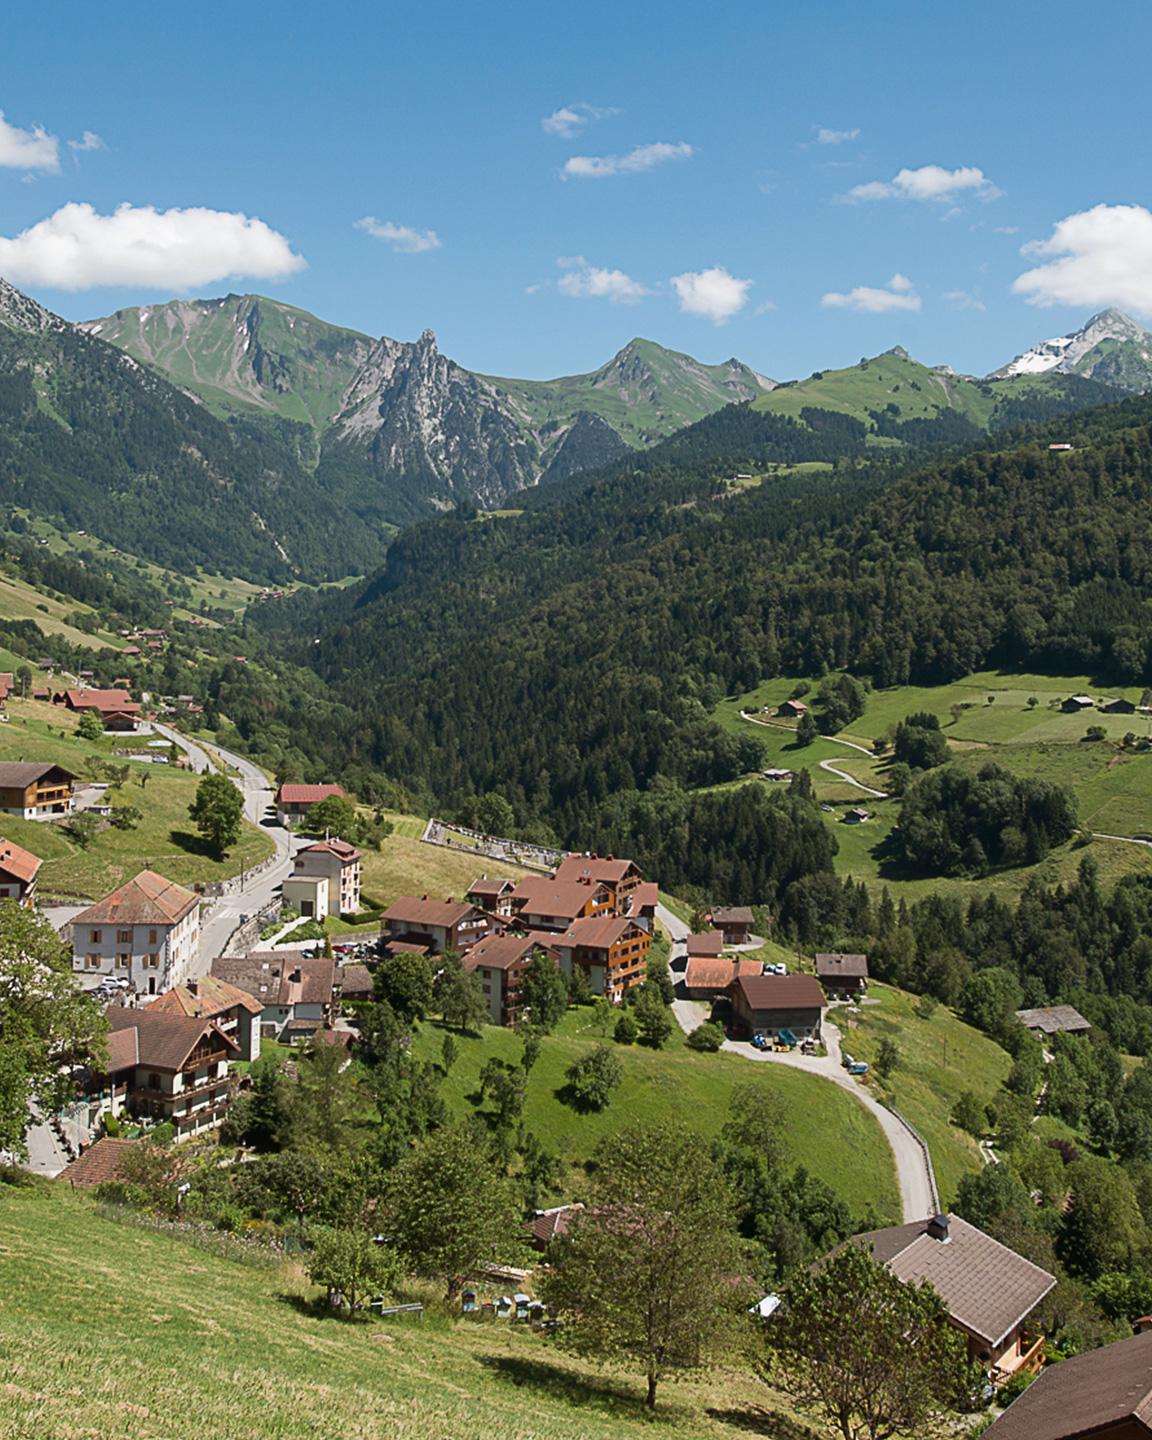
[(1005, 229), (88, 141), (714, 293), (1101, 256), (582, 280), (403, 238), (898, 294), (570, 120), (930, 182), (643, 157), (31, 149), (964, 300), (836, 137), (76, 249)]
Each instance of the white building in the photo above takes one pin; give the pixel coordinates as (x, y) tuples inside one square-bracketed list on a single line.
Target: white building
[(335, 862), (146, 932)]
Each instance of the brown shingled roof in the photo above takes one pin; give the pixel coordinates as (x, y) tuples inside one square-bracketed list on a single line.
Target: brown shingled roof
[(562, 898), (340, 848), (547, 1224), (499, 952), (163, 1042), (306, 794), (206, 997), (411, 910), (146, 899), (100, 1162), (279, 977), (707, 972), (597, 932), (20, 863), (17, 774), (987, 1288), (604, 870), (854, 967), (708, 943), (781, 992), (1086, 1395)]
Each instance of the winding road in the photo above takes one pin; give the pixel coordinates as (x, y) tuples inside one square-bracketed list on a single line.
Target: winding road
[(828, 766), (912, 1175)]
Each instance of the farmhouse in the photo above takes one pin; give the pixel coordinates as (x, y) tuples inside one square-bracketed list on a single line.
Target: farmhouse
[(611, 950), (437, 924), (708, 944), (1077, 702), (777, 1005), (1118, 706), (18, 871), (325, 879), (842, 975), (293, 802), (792, 709), (734, 922), (231, 1009), (619, 877), (499, 962), (776, 775), (543, 904), (297, 996), (493, 895), (856, 816), (35, 791), (548, 1224), (146, 932), (1054, 1020), (989, 1290), (1105, 1393), (706, 977)]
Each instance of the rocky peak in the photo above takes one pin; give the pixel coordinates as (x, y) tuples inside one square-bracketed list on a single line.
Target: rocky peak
[(20, 312)]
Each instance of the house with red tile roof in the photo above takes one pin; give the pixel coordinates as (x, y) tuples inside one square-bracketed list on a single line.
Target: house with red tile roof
[(708, 976), (493, 894), (618, 876), (297, 996), (547, 1225), (325, 879), (640, 903), (293, 802), (540, 903), (233, 1010), (147, 931), (499, 962), (18, 871), (98, 1163)]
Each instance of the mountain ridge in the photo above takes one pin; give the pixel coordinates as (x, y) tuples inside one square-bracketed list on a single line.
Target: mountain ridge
[(1110, 347)]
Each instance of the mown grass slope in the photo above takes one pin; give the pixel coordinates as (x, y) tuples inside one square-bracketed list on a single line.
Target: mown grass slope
[(826, 1129), (115, 1333)]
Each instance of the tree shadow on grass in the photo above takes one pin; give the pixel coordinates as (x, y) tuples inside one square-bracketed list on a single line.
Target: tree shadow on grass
[(193, 844), (614, 1396), (763, 1422)]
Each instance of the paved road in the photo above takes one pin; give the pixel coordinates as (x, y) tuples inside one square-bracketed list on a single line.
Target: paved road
[(911, 1170), (829, 766), (221, 917)]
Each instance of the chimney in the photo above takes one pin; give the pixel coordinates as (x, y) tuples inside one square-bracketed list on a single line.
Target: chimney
[(938, 1228)]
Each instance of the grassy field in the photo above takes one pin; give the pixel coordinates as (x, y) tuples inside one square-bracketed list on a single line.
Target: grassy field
[(405, 866), (828, 1131), (21, 601), (165, 839), (109, 1332), (941, 1058)]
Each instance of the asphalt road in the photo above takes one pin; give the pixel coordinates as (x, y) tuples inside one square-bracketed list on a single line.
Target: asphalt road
[(911, 1169)]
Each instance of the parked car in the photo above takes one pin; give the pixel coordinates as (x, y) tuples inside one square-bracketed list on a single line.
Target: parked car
[(858, 1067), (776, 968), (761, 1041)]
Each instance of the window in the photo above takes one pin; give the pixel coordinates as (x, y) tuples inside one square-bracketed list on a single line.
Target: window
[(95, 936), (151, 937), (123, 937), (153, 1081), (123, 962), (94, 961), (152, 962)]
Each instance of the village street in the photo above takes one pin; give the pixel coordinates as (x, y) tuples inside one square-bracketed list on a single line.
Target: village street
[(912, 1174)]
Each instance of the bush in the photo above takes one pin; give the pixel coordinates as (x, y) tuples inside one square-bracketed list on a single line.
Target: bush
[(706, 1038), (627, 1031), (592, 1079)]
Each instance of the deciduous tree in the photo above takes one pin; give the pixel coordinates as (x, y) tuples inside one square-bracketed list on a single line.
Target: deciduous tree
[(217, 811)]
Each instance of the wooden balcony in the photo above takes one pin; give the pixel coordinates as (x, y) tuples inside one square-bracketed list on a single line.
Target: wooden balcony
[(1032, 1358)]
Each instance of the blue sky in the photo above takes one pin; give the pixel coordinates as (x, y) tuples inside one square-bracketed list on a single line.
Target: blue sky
[(688, 192)]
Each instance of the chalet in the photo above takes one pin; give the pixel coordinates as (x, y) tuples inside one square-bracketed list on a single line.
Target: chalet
[(355, 983), (35, 791), (297, 996), (857, 815), (708, 977), (610, 949), (618, 877), (231, 1010), (42, 692), (107, 704), (325, 879), (1104, 1393), (708, 944), (7, 686), (734, 922), (542, 904), (792, 709), (437, 924), (164, 1068), (777, 775), (18, 871), (499, 961), (293, 802), (640, 905), (146, 932), (493, 895), (1117, 706), (1077, 702), (547, 1225), (989, 1290), (777, 1006), (842, 975), (1054, 1020)]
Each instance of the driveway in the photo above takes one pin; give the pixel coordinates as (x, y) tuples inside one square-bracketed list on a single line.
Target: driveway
[(911, 1168)]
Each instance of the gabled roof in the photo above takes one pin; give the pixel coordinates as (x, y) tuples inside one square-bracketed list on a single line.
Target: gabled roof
[(344, 852), (279, 977), (17, 774), (1053, 1018), (105, 701), (495, 886), (854, 967), (100, 1162), (547, 1224), (605, 870), (732, 915), (780, 992), (1086, 1395), (306, 794), (563, 898), (163, 1041), (707, 943), (206, 997), (705, 972), (17, 862), (987, 1288), (597, 932), (413, 910), (645, 896), (499, 952), (354, 980), (146, 899)]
